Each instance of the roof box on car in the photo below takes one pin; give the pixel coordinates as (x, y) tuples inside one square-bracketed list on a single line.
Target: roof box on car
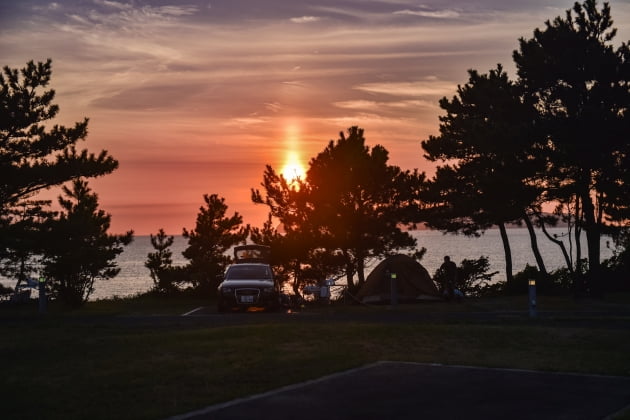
[(252, 254)]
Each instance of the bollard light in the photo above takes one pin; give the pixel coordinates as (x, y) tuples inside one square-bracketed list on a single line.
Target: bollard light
[(393, 290), (532, 298)]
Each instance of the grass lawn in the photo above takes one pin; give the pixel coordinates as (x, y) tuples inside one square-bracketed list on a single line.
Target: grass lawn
[(99, 363)]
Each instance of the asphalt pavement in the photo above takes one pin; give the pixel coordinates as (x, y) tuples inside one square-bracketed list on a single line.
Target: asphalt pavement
[(402, 390)]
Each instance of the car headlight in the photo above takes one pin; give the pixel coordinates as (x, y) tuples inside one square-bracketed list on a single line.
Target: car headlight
[(268, 290), (227, 290)]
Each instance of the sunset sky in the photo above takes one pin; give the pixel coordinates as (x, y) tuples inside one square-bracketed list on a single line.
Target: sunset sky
[(195, 97)]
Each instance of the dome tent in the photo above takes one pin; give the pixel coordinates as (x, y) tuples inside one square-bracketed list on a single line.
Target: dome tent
[(413, 281)]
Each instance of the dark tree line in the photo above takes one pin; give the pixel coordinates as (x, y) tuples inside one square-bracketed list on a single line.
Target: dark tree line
[(70, 249), (558, 134)]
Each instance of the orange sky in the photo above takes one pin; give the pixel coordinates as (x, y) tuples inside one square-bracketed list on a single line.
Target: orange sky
[(196, 97)]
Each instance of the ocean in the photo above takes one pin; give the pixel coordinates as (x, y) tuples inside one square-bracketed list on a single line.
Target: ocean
[(134, 276)]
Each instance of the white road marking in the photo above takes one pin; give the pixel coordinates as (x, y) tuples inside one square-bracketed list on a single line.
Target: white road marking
[(193, 311)]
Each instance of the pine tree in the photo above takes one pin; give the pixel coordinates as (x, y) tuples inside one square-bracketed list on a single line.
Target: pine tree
[(213, 235), (580, 85), (79, 250), (160, 263), (32, 156)]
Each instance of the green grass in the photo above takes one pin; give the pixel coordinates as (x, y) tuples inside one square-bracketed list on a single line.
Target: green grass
[(92, 364)]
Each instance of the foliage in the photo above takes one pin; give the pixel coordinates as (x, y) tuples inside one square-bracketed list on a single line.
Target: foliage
[(160, 264), (558, 282), (559, 134), (487, 142), (79, 250), (294, 258), (473, 278), (33, 157), (4, 290), (348, 209), (213, 235), (617, 268), (579, 84), (22, 240), (486, 137), (289, 253)]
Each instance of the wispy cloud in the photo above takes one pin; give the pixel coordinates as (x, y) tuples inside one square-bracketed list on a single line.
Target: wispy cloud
[(246, 122), (113, 4), (436, 14), (53, 6), (295, 83), (422, 88), (115, 16), (274, 107), (305, 19), (362, 104)]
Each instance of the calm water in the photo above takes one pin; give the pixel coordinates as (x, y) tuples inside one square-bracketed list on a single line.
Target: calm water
[(134, 277)]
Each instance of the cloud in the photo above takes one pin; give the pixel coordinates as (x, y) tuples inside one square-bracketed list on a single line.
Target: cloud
[(436, 14), (357, 104), (428, 87), (50, 7), (245, 122), (115, 16), (295, 83), (273, 106), (113, 4), (305, 19), (362, 104)]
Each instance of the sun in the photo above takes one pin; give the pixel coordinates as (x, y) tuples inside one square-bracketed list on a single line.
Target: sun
[(293, 168)]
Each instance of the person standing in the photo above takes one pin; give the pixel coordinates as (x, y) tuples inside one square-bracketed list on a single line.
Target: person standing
[(449, 271)]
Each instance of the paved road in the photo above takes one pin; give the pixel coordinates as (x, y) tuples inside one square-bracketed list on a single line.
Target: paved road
[(394, 390)]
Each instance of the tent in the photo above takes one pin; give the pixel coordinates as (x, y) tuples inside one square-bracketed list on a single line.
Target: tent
[(413, 281)]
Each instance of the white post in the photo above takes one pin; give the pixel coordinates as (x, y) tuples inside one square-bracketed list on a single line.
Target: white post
[(42, 295)]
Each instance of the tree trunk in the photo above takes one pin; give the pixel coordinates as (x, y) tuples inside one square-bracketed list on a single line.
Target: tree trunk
[(360, 272), (578, 233), (592, 242), (296, 278), (349, 273), (349, 279), (534, 242), (21, 277), (508, 254), (567, 257)]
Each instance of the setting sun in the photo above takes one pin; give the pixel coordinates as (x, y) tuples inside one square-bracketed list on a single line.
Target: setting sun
[(293, 168)]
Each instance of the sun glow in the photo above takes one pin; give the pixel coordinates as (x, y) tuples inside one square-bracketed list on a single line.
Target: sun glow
[(293, 168)]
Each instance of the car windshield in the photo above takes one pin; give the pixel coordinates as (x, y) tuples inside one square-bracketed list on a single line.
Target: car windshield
[(249, 272)]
